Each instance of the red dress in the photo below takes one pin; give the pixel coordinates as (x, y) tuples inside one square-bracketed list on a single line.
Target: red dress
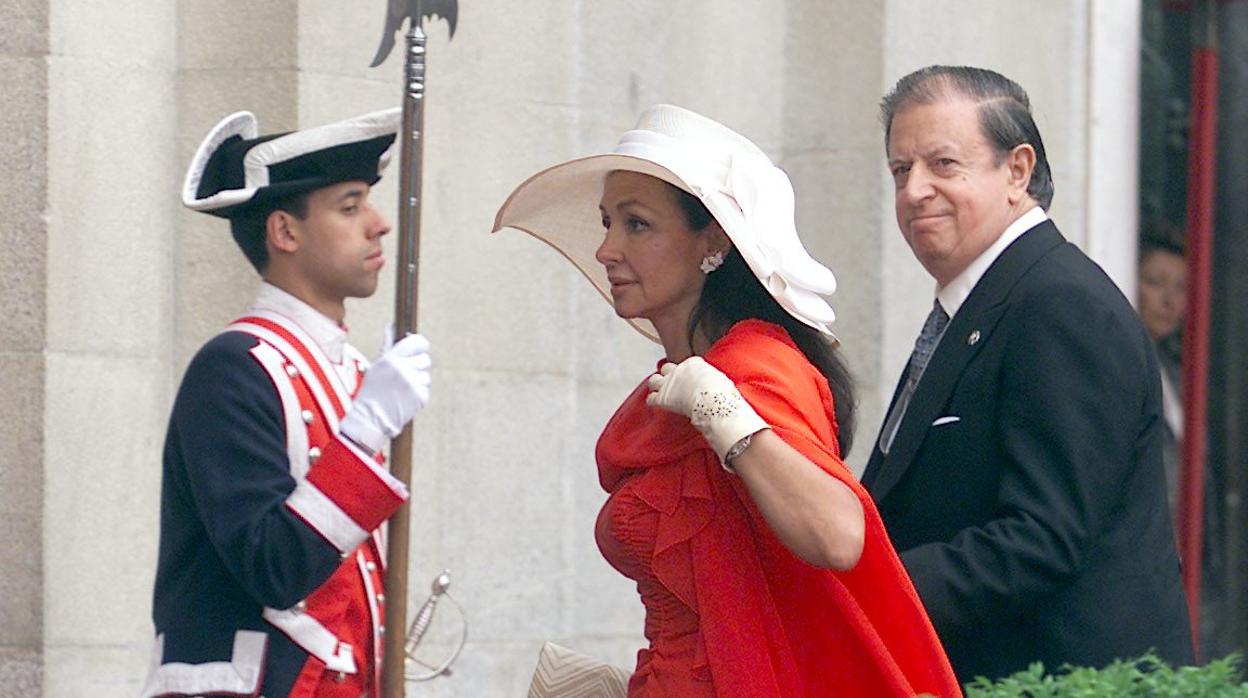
[(730, 611)]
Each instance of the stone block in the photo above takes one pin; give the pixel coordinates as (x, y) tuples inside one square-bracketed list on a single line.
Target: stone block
[(488, 473), (207, 96), (698, 56), (501, 301), (21, 672), (213, 283), (24, 199), (99, 670), (609, 350), (21, 500), (829, 97), (104, 431), (234, 34), (836, 191), (26, 28), (327, 97), (504, 55), (126, 33), (341, 39), (109, 285)]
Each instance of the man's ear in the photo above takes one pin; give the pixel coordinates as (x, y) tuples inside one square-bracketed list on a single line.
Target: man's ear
[(280, 232), (1019, 164)]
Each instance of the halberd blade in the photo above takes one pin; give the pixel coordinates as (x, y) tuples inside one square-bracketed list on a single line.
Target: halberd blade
[(399, 10)]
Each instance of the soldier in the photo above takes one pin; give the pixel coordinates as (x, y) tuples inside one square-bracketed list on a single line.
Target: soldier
[(274, 488)]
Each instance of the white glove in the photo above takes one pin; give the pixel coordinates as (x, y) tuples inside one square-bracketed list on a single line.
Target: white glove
[(395, 388), (708, 398)]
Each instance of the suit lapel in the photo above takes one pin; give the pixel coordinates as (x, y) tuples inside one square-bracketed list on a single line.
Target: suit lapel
[(960, 343)]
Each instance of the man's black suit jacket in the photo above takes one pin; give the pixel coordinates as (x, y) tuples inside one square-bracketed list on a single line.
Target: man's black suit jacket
[(1024, 488)]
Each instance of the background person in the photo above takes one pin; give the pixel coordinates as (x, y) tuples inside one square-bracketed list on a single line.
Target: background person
[(1162, 304)]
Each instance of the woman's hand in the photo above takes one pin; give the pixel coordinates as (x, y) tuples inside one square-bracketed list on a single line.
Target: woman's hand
[(815, 515), (709, 399)]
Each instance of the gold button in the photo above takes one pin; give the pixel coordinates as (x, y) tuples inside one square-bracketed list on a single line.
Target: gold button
[(300, 607), (381, 598), (307, 416), (291, 370)]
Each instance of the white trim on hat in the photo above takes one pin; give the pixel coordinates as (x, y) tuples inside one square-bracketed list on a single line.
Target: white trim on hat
[(240, 123), (260, 158), (750, 198)]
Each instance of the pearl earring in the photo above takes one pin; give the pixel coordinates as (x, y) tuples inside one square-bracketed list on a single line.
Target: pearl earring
[(711, 262)]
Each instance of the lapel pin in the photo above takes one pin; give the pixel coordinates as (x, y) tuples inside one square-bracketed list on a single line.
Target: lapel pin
[(972, 339)]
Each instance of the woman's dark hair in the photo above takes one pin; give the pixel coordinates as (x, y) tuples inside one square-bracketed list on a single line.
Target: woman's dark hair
[(732, 294), (1159, 235)]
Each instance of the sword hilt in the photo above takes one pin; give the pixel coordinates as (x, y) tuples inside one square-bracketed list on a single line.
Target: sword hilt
[(420, 624)]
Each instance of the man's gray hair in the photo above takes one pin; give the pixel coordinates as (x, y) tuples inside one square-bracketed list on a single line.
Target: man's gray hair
[(1004, 113)]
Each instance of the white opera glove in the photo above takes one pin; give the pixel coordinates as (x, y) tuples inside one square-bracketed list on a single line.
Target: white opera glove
[(709, 399), (395, 388)]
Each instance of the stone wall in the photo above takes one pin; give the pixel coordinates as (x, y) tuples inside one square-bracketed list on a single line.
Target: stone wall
[(112, 286)]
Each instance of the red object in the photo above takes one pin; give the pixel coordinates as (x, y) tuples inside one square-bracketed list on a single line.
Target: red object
[(348, 605), (1200, 190), (729, 609)]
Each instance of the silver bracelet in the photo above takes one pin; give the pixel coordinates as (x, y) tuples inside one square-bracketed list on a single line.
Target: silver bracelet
[(737, 449)]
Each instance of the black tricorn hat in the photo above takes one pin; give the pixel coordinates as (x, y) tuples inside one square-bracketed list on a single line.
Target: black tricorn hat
[(235, 170)]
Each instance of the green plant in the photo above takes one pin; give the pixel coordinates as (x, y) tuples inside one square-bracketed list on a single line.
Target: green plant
[(1147, 676)]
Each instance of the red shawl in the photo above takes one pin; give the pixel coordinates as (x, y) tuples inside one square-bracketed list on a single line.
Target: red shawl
[(770, 623)]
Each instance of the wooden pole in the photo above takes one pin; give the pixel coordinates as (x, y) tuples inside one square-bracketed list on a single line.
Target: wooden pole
[(406, 287)]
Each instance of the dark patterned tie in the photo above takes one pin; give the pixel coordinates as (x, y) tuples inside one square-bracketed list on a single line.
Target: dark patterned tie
[(929, 337)]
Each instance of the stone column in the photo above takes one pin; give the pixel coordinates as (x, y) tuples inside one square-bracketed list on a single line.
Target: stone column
[(23, 268), (112, 286), (110, 122)]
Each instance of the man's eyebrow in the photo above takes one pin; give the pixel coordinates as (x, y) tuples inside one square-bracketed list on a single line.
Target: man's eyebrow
[(355, 192), (937, 150)]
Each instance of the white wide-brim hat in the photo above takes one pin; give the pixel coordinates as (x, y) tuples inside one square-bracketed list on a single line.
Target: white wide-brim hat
[(750, 198)]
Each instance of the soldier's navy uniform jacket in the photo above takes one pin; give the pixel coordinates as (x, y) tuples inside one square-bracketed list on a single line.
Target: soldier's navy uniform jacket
[(269, 577)]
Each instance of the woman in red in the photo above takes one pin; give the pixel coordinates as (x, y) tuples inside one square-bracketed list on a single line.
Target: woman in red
[(762, 564)]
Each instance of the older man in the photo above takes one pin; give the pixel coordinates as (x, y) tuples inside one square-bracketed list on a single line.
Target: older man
[(1019, 467)]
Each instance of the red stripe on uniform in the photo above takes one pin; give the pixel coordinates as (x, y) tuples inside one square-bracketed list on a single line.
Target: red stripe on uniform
[(303, 351), (354, 486)]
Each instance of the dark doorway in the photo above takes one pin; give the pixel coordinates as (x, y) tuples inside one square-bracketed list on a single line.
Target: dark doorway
[(1171, 30)]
